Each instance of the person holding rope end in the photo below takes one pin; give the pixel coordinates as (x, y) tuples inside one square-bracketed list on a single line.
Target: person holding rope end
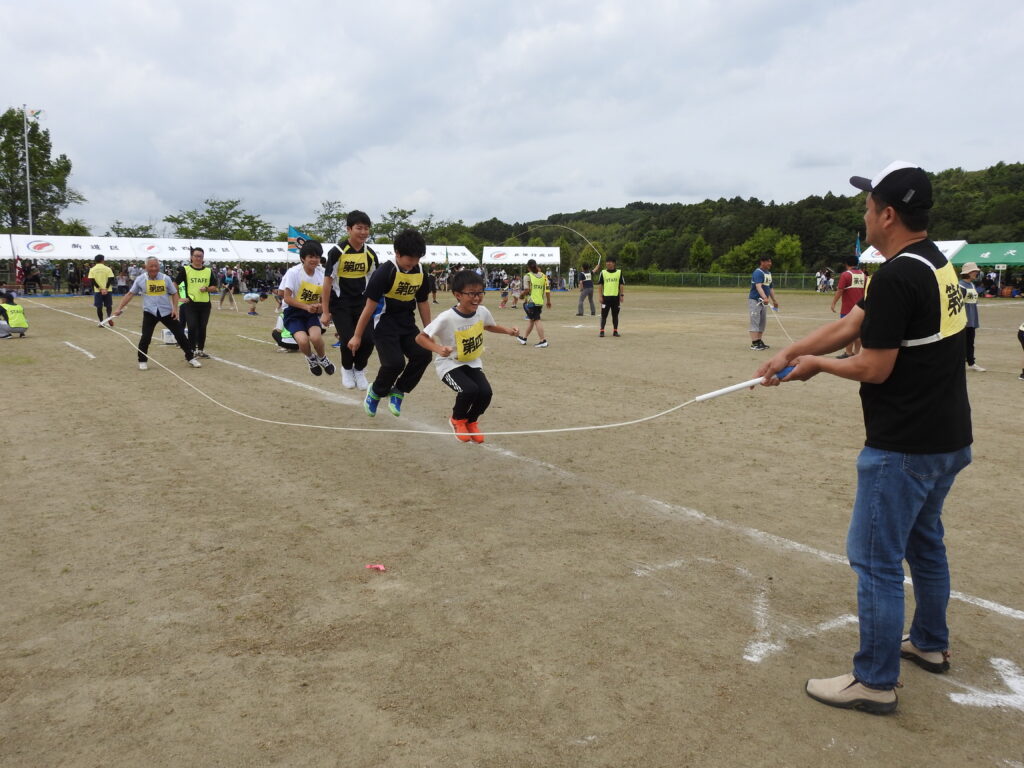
[(302, 286), (610, 284), (761, 295), (917, 418), (195, 281), (159, 305)]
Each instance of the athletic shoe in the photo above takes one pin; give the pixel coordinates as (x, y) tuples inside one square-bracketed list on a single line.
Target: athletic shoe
[(202, 353), (615, 333), (370, 403), (314, 365), (459, 428), (194, 363), (521, 339), (1021, 377), (251, 313), (754, 347), (361, 382), (600, 334), (976, 367), (336, 344), (541, 344), (579, 314), (762, 345), (933, 661), (846, 692), (348, 379), (474, 432), (327, 365), (395, 403), (143, 366)]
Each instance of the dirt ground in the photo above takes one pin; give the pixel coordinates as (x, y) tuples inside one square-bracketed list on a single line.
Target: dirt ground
[(185, 585)]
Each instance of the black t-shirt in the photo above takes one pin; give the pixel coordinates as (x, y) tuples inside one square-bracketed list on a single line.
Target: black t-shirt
[(399, 293), (922, 407), (350, 275)]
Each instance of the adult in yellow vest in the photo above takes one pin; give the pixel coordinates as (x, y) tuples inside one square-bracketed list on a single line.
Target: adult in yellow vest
[(159, 305), (537, 292), (12, 317), (102, 276), (195, 283), (611, 288)]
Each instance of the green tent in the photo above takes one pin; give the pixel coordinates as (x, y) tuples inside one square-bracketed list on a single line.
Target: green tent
[(988, 255)]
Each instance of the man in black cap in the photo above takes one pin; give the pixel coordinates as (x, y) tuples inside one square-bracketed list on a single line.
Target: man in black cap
[(918, 422)]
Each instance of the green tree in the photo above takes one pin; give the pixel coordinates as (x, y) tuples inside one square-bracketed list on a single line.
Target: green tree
[(49, 176), (701, 255), (566, 252), (393, 222), (120, 229), (594, 254), (221, 220), (788, 255), (629, 254), (535, 242), (328, 225)]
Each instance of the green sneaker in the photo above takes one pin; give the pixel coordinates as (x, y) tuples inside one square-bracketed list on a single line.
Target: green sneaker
[(370, 403), (395, 402)]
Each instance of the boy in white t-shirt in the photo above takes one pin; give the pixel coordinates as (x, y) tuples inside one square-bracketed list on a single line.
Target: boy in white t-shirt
[(457, 336), (302, 286)]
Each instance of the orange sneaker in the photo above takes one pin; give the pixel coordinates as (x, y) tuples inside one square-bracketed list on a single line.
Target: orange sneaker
[(474, 432), (460, 430)]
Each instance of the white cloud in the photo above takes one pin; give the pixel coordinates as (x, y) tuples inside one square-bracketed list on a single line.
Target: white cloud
[(514, 110)]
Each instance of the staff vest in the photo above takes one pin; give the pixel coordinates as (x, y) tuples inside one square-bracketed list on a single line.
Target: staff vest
[(196, 279), (611, 281), (15, 315), (538, 282)]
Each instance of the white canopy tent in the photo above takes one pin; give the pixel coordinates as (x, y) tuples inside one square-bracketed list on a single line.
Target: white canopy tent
[(268, 253), (60, 248), (436, 254), (6, 248), (949, 249), (520, 255)]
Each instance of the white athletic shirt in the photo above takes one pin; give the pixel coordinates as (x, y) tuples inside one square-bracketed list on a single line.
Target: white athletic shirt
[(465, 335), (305, 288)]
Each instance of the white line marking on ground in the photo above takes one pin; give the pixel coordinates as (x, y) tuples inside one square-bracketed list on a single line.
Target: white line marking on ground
[(1013, 679), (318, 390), (249, 338), (88, 354)]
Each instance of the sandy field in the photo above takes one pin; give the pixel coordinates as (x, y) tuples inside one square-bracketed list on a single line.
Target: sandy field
[(184, 555)]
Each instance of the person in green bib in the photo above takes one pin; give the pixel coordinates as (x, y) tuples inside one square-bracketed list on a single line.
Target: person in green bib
[(537, 294), (610, 292), (12, 317), (195, 282)]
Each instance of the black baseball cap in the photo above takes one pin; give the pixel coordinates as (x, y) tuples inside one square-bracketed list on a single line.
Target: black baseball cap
[(902, 185)]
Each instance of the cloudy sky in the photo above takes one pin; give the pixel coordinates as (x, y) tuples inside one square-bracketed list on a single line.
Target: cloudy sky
[(516, 110)]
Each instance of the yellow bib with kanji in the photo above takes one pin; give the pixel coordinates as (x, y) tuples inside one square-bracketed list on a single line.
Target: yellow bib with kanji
[(309, 292), (856, 281), (405, 285), (469, 344), (353, 265), (156, 288)]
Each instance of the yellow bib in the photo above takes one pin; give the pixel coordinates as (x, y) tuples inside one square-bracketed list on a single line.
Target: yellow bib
[(405, 285), (538, 282), (156, 288), (354, 265), (196, 279), (309, 292), (469, 344), (856, 281), (15, 315)]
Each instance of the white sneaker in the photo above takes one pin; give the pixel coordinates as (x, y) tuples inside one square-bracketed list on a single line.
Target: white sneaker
[(348, 379), (195, 363), (361, 382), (143, 366), (975, 367)]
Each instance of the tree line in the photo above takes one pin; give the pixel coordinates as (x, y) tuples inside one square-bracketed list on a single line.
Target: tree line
[(711, 236)]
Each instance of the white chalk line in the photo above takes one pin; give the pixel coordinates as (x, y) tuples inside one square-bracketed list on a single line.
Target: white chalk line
[(85, 352), (761, 537), (258, 341)]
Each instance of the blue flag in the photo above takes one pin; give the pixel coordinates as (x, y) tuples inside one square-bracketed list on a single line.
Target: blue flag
[(856, 248), (296, 239)]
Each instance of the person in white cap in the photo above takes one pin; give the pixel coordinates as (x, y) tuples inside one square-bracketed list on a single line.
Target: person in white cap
[(911, 325), (969, 273)]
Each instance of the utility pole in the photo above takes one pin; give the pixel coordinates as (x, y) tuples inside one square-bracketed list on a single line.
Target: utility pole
[(28, 182)]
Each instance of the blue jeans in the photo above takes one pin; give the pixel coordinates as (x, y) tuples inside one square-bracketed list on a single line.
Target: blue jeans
[(897, 515)]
